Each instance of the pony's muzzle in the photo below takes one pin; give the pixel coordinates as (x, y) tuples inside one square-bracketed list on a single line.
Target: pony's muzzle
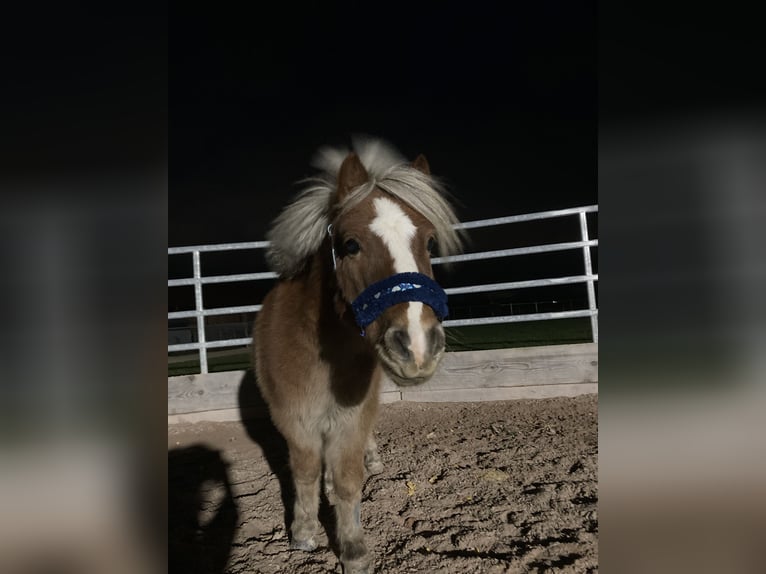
[(411, 362)]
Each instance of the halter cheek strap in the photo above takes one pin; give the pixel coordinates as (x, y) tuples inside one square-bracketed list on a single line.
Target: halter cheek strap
[(399, 288)]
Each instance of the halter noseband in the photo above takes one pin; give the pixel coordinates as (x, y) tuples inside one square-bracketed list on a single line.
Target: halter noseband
[(398, 288)]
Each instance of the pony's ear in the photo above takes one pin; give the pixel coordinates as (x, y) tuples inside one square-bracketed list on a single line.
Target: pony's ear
[(421, 164), (350, 175)]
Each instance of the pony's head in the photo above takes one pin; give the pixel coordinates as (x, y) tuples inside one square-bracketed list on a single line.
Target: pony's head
[(382, 218)]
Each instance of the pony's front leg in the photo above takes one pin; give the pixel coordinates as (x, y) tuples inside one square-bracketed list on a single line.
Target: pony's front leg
[(306, 466), (347, 466)]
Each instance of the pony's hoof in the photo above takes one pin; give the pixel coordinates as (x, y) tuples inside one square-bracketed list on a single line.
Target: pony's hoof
[(374, 467), (355, 558), (360, 566), (307, 545)]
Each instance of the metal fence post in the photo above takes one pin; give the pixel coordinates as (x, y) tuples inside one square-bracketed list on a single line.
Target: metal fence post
[(199, 309), (589, 271)]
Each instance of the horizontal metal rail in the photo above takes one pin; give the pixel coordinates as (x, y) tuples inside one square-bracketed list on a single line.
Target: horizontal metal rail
[(462, 225), (477, 256), (585, 244), (223, 279), (519, 318), (515, 251), (215, 311), (520, 284), (486, 288), (211, 344), (525, 217), (218, 247)]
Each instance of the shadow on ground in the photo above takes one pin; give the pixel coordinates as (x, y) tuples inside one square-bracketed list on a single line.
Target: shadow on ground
[(200, 530)]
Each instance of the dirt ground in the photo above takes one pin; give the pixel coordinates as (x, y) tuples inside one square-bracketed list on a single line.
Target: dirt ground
[(507, 486)]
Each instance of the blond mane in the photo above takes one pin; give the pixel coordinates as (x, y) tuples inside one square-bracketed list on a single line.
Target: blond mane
[(297, 233)]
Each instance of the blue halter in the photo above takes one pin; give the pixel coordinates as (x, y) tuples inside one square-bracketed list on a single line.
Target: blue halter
[(399, 288)]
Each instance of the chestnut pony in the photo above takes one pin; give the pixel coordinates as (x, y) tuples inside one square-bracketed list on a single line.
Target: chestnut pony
[(356, 298)]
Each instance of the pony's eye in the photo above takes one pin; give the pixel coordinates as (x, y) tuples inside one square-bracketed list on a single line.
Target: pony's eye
[(431, 245), (351, 247)]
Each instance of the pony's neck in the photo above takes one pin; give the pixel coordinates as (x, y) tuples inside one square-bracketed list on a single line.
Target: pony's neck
[(354, 364)]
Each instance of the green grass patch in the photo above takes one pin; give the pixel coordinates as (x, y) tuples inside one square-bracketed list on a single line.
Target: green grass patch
[(233, 360), (527, 334)]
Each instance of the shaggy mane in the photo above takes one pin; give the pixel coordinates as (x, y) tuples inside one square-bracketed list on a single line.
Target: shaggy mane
[(297, 233)]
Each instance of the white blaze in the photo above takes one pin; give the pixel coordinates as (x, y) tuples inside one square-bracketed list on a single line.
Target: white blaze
[(396, 230)]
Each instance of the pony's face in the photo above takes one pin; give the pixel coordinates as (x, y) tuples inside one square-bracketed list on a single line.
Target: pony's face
[(379, 237)]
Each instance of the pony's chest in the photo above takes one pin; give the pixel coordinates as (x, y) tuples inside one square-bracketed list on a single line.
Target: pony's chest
[(327, 416)]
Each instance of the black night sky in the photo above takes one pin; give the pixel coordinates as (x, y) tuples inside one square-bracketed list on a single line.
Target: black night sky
[(501, 99)]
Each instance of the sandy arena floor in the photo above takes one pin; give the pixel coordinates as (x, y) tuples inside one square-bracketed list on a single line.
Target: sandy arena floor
[(488, 487)]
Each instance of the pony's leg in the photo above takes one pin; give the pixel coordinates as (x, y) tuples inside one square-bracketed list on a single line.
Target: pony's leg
[(372, 464), (372, 461), (306, 466), (345, 457)]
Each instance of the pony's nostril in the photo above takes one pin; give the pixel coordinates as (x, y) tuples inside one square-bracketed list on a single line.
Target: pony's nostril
[(437, 340), (399, 342), (402, 342)]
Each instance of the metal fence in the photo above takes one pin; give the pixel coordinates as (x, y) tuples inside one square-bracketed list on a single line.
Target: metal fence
[(584, 244)]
